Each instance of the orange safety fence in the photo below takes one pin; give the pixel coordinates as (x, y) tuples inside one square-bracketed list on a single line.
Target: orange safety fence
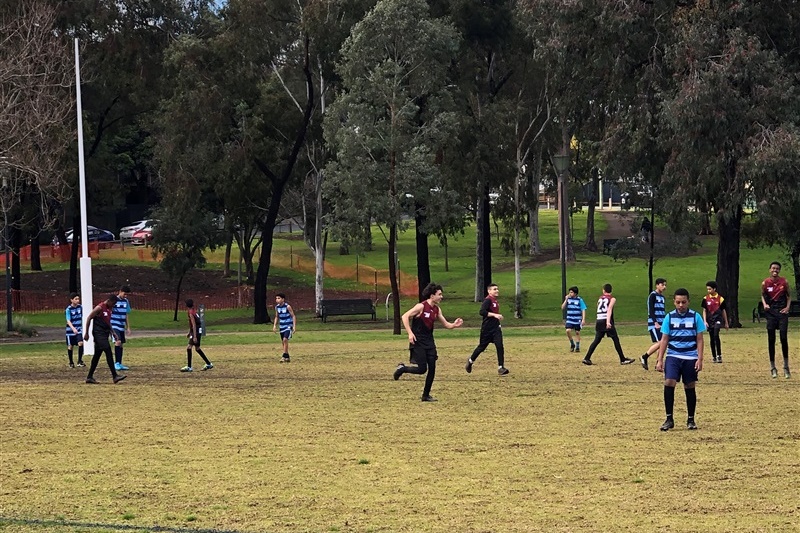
[(48, 301)]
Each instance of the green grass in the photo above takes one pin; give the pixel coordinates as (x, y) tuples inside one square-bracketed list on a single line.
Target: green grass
[(331, 443)]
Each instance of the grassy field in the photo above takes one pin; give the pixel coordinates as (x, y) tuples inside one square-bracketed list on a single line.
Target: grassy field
[(329, 443)]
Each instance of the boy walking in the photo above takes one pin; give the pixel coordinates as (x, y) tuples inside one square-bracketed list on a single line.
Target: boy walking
[(120, 324), (715, 317), (575, 319), (419, 322), (286, 322), (604, 326), (74, 331), (656, 310), (195, 335), (491, 331), (682, 342), (100, 322), (776, 301)]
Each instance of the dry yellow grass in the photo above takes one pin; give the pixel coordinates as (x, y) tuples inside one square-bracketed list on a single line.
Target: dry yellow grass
[(331, 443)]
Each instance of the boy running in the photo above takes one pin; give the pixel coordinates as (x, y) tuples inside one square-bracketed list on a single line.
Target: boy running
[(74, 331), (286, 321), (419, 322), (491, 331), (604, 327), (575, 319), (682, 342), (656, 309)]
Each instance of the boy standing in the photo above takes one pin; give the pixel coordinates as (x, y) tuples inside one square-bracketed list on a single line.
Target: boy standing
[(715, 317), (419, 322), (656, 309), (575, 317), (74, 331), (682, 341), (491, 331), (195, 335), (604, 327), (100, 319), (776, 300), (120, 324), (286, 322)]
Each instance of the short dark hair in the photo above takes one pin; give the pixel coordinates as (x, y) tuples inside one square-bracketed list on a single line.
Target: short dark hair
[(430, 290), (659, 281), (280, 295), (574, 289), (125, 288), (72, 295), (776, 263), (608, 288), (682, 292), (712, 284), (189, 302), (489, 286), (112, 299)]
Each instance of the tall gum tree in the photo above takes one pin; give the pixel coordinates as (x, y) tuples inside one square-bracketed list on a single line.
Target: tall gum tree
[(390, 118)]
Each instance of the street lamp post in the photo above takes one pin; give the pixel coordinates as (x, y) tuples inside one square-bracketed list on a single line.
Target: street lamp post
[(9, 321), (561, 164)]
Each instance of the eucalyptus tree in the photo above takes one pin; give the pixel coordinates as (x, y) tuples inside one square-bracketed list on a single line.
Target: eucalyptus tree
[(390, 119)]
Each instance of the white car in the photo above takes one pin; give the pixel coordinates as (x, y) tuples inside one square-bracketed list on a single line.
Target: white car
[(126, 233)]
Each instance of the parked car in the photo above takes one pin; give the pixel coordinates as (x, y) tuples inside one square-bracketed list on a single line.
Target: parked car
[(144, 235), (126, 233), (93, 235)]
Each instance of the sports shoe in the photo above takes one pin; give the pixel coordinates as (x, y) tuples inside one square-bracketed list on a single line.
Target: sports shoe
[(577, 350), (72, 365), (187, 369), (571, 348), (786, 373), (429, 398), (719, 359), (627, 361), (774, 372), (502, 371), (285, 359), (209, 366), (119, 377), (399, 371), (123, 367), (587, 362), (668, 424), (81, 363), (690, 424), (643, 360), (91, 381), (468, 367)]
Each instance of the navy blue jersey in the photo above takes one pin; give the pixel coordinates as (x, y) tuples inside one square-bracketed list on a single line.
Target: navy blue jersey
[(119, 314), (682, 331), (74, 315), (285, 322), (656, 309)]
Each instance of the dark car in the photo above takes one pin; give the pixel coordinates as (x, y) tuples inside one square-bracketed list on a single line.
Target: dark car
[(93, 235)]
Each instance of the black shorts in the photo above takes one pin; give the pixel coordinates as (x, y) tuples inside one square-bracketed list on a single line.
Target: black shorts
[(601, 330), (193, 342), (777, 320), (74, 339), (421, 354), (655, 335), (121, 335)]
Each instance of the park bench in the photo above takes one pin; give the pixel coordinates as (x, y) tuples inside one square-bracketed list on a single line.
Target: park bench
[(354, 306), (608, 244), (758, 311)]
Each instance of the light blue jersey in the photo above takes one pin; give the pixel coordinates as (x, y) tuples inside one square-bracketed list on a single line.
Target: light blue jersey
[(682, 331)]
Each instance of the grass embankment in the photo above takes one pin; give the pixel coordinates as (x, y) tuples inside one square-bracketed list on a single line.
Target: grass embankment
[(331, 443)]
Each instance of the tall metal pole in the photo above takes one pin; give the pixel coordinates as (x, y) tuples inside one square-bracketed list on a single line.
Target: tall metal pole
[(87, 297), (10, 324), (562, 218)]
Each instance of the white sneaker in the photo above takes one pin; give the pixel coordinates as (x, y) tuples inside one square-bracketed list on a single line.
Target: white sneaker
[(209, 366), (187, 369)]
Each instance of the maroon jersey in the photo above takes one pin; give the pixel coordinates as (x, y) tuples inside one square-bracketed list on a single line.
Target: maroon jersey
[(101, 324), (422, 325), (775, 291), (713, 305)]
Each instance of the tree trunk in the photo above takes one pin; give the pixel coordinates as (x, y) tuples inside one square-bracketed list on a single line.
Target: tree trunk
[(534, 180), (479, 240), (226, 267), (796, 266), (393, 278), (590, 244), (178, 297), (423, 256), (729, 232), (651, 260), (487, 242), (73, 254), (36, 255), (517, 215), (319, 248), (16, 241)]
